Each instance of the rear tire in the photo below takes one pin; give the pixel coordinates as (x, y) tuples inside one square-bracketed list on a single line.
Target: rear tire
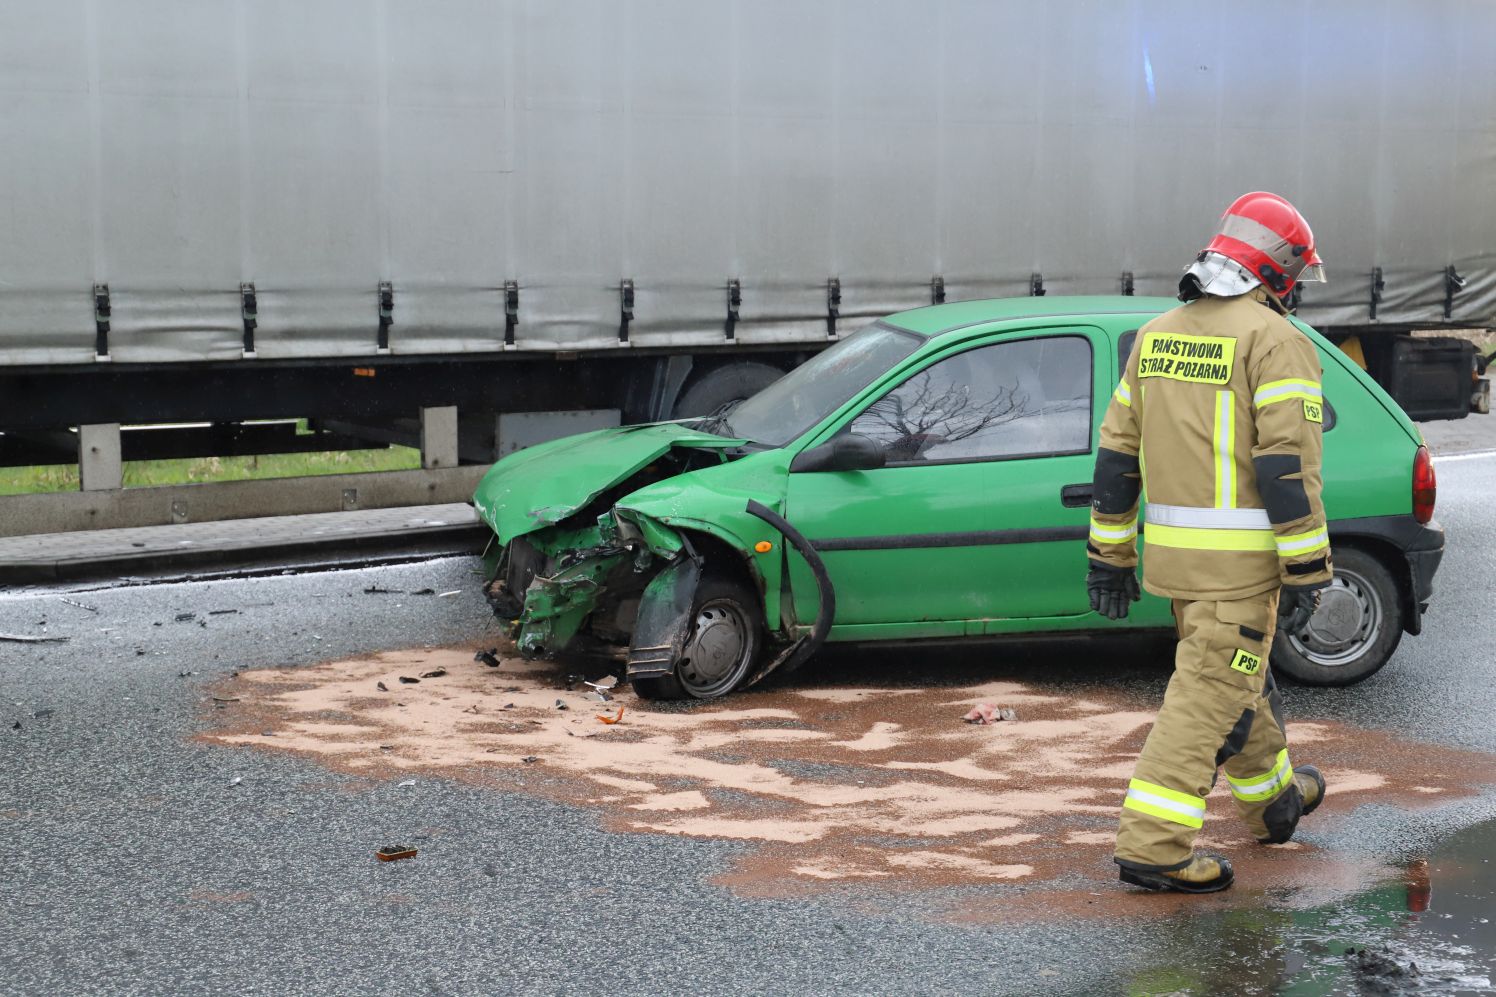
[(1353, 634), (724, 388), (725, 643)]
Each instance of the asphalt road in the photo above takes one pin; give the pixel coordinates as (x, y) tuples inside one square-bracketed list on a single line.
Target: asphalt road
[(135, 864)]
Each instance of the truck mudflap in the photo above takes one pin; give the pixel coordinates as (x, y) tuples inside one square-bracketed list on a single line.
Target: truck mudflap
[(664, 620), (803, 649)]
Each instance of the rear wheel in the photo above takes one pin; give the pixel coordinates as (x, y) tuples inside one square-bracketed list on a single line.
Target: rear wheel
[(1355, 630), (725, 643)]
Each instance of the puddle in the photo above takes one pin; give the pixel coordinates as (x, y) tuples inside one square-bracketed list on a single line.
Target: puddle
[(828, 788), (1426, 929)]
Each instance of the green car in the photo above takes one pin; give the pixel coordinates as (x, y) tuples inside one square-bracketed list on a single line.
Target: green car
[(927, 477)]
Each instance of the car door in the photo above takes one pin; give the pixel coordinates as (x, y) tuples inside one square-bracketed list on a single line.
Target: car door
[(980, 514)]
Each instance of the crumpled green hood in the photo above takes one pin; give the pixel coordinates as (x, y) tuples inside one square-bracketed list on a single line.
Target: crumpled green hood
[(542, 485)]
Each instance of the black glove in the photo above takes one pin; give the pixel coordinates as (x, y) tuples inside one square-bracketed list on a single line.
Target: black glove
[(1297, 604), (1111, 589)]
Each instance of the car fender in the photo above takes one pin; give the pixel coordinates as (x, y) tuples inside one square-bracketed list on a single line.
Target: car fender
[(714, 501)]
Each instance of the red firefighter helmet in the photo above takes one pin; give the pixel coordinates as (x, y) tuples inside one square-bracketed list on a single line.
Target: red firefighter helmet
[(1268, 238)]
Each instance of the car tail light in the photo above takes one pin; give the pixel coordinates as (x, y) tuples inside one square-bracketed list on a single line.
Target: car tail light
[(1425, 487)]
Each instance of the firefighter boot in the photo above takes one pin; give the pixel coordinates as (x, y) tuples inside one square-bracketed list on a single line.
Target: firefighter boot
[(1206, 872), (1302, 796), (1311, 787)]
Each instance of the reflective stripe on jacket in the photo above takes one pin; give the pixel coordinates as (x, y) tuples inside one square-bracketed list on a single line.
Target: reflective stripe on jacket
[(1217, 393)]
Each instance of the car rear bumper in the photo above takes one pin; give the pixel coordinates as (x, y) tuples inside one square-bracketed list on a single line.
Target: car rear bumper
[(1421, 546)]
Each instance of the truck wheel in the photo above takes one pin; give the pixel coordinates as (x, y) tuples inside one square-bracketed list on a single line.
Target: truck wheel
[(723, 388), (1355, 630), (725, 643)]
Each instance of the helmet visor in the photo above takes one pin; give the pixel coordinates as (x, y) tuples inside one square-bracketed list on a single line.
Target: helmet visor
[(1314, 273)]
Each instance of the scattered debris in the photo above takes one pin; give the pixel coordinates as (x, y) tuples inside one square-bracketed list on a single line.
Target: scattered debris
[(16, 725), (571, 681), (43, 713), (225, 699), (605, 683), (80, 605), (472, 709), (599, 697), (235, 781), (386, 747), (448, 595), (1380, 971), (377, 590), (613, 719), (435, 673), (408, 680), (987, 713), (393, 853), (507, 706), (140, 652), (561, 705), (184, 617), (407, 782), (221, 612), (424, 592), (489, 657), (382, 687), (28, 639), (182, 675), (530, 759)]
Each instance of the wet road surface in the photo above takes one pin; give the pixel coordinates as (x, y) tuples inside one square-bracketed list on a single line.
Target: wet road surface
[(137, 864)]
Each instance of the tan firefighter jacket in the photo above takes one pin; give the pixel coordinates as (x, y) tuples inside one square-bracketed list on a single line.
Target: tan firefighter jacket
[(1215, 426)]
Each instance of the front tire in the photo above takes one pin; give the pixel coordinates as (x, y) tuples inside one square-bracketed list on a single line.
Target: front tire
[(1355, 630), (723, 648)]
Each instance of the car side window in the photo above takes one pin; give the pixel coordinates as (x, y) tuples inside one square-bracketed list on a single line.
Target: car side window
[(1022, 398), (1124, 348)]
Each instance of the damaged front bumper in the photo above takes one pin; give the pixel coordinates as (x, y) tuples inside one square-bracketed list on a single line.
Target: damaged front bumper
[(572, 570)]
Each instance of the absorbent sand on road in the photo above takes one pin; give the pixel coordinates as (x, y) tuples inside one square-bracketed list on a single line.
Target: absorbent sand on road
[(830, 784)]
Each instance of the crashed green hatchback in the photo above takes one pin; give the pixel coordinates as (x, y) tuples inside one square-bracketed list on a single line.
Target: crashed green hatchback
[(927, 477)]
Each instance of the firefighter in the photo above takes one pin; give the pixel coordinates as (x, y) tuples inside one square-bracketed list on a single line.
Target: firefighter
[(1216, 427)]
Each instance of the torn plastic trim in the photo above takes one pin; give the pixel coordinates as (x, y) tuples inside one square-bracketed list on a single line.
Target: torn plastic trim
[(803, 649), (555, 606), (664, 621)]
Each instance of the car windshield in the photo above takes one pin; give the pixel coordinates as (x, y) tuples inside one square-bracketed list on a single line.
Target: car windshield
[(797, 401)]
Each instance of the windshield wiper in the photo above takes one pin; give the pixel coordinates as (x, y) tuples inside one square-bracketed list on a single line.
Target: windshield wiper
[(717, 425)]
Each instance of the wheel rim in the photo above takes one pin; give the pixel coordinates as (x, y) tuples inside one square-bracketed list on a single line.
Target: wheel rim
[(719, 650), (1348, 621)]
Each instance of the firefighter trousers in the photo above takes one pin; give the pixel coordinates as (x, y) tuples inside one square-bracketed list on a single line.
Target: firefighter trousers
[(1221, 710)]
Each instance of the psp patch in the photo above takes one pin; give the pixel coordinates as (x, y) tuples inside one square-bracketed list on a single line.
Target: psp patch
[(1314, 411), (1246, 662), (1200, 359)]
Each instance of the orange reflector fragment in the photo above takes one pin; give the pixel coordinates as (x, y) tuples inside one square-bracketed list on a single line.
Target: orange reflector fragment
[(763, 546), (363, 372), (611, 720)]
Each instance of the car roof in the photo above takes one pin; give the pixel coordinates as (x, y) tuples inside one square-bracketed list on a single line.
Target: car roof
[(933, 320)]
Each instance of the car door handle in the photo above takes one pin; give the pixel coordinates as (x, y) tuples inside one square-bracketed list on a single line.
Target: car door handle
[(1075, 496)]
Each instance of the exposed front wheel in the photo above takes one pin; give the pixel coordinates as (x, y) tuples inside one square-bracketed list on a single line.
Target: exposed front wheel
[(725, 643), (1355, 630)]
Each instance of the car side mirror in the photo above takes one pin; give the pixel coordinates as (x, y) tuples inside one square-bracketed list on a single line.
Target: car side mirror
[(847, 452)]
